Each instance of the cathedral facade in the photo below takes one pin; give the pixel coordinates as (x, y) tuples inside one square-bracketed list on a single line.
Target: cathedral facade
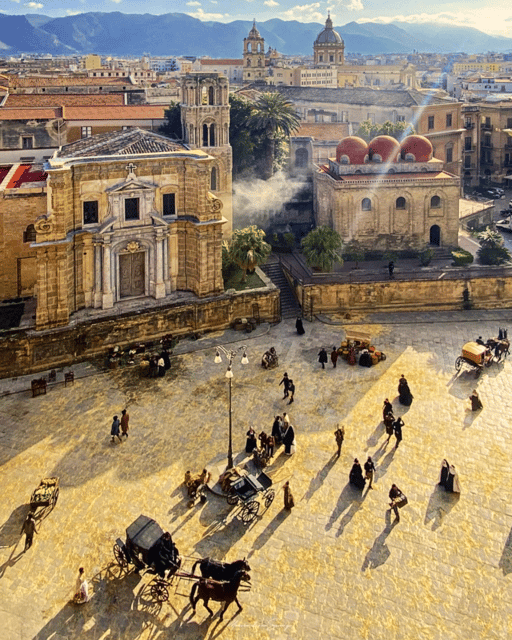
[(386, 195)]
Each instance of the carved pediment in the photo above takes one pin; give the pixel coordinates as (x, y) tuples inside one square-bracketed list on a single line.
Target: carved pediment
[(131, 185)]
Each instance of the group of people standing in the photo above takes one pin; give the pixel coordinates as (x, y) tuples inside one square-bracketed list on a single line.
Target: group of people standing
[(323, 357), (283, 433), (391, 424), (159, 364), (356, 477)]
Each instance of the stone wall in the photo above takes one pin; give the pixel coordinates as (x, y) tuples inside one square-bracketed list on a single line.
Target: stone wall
[(23, 352), (406, 295)]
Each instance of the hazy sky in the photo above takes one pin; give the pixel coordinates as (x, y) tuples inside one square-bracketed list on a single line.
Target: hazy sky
[(493, 17)]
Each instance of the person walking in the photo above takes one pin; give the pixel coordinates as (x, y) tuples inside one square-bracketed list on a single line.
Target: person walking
[(389, 419), (291, 389), (356, 477), (397, 428), (339, 434), (322, 357), (387, 408), (391, 269), (114, 430), (81, 588), (396, 497), (334, 357), (125, 419), (299, 326), (286, 382), (289, 502), (404, 393), (369, 470), (29, 528), (476, 403)]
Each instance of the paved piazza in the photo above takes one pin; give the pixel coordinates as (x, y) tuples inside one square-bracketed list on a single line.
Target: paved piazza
[(336, 566)]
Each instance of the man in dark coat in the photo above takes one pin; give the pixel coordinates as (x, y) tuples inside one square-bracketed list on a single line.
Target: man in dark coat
[(286, 382), (322, 357), (397, 428), (29, 528), (334, 357), (291, 389), (299, 326)]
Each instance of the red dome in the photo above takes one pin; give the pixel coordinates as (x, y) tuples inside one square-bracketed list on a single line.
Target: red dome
[(386, 147), (418, 146), (356, 149)]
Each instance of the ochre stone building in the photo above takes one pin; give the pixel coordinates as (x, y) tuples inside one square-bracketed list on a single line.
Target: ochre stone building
[(386, 195), (130, 215)]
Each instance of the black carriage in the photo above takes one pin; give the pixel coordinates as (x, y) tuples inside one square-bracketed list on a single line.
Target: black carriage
[(245, 492), (45, 496), (148, 547)]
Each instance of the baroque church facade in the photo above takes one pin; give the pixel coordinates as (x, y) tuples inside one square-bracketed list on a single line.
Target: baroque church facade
[(132, 215)]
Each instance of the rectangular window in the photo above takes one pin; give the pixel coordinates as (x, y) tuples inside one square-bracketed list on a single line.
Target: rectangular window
[(467, 143), (27, 142), (448, 119), (509, 123), (400, 118), (86, 132), (131, 209), (467, 162), (90, 211), (169, 202), (430, 122), (449, 154)]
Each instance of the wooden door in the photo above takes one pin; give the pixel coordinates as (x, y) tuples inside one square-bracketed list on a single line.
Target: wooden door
[(132, 274)]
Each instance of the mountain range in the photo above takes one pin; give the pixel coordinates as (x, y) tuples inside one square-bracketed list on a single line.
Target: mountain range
[(179, 34)]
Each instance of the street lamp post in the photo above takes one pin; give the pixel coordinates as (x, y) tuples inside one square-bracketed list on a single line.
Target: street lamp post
[(230, 355)]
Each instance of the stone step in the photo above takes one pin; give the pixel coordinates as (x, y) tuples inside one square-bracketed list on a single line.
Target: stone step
[(289, 305)]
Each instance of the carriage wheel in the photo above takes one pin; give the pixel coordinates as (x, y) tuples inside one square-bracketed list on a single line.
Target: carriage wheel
[(159, 591), (119, 556), (489, 362), (269, 498), (232, 498), (250, 511), (458, 363)]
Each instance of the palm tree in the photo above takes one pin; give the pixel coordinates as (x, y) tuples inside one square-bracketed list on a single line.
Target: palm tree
[(248, 249), (273, 115), (492, 249), (322, 247)]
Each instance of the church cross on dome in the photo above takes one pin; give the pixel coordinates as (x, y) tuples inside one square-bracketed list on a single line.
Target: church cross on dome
[(131, 170)]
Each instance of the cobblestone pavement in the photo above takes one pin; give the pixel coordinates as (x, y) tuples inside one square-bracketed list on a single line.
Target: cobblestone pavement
[(337, 566)]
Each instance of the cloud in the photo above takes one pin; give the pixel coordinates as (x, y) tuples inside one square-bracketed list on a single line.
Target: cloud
[(271, 3), (72, 12), (304, 13), (193, 4), (355, 5), (116, 1), (34, 5), (201, 15)]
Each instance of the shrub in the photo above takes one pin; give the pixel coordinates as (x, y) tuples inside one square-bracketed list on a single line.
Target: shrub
[(425, 255), (462, 257), (493, 255)]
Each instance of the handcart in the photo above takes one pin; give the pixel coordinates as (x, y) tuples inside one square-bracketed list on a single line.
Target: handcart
[(245, 491)]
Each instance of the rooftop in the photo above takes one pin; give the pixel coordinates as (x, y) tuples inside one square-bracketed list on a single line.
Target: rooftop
[(17, 176), (16, 100), (131, 141), (322, 130)]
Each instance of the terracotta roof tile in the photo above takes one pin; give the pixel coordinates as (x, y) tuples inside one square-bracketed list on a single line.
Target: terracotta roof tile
[(30, 114), (135, 112), (63, 81), (222, 61), (323, 130), (59, 99)]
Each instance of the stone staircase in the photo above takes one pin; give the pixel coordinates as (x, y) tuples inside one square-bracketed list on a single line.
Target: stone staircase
[(290, 308)]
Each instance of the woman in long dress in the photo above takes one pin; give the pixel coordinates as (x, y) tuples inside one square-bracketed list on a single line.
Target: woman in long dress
[(81, 588), (476, 403), (289, 502), (404, 393), (251, 442), (299, 326), (288, 439), (356, 477)]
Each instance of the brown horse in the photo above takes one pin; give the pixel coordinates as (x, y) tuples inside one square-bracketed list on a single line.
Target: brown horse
[(219, 591)]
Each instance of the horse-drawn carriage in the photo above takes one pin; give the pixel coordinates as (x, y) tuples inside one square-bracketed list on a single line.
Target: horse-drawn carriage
[(149, 548), (476, 355), (244, 492), (357, 346)]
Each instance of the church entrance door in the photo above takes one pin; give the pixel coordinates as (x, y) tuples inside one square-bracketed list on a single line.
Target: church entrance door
[(435, 235), (132, 274)]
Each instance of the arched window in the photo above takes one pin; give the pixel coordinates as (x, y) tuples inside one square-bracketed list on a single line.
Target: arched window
[(301, 158), (210, 95), (366, 204), (29, 235), (435, 202), (400, 203), (205, 135), (213, 179), (212, 135)]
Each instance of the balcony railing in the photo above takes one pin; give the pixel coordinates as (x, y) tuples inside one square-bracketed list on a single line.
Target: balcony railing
[(487, 127), (486, 145), (469, 125), (469, 149)]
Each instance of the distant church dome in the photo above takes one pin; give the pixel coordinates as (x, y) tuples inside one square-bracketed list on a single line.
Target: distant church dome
[(384, 149), (254, 33), (352, 150), (417, 149), (328, 35)]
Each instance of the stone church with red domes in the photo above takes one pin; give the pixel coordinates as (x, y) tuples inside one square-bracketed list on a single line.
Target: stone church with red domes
[(388, 195)]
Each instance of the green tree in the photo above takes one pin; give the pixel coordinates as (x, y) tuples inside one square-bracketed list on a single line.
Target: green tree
[(271, 116), (322, 247), (492, 249), (172, 125), (248, 249), (399, 130), (244, 142)]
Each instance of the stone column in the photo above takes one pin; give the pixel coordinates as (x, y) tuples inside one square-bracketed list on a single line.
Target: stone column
[(108, 296), (42, 291), (97, 295), (167, 281), (159, 267)]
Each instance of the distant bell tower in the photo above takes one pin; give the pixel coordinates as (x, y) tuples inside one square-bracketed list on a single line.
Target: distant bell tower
[(205, 122), (329, 48), (254, 56)]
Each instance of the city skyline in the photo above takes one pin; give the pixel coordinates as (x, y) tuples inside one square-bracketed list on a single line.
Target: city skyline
[(474, 14)]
